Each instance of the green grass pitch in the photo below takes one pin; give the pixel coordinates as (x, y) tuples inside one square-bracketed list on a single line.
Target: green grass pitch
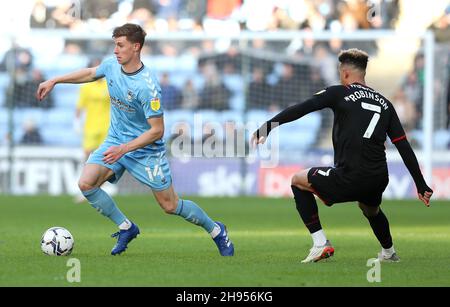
[(269, 239)]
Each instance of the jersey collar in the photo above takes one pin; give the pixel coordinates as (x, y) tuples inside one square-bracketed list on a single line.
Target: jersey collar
[(363, 85), (134, 72)]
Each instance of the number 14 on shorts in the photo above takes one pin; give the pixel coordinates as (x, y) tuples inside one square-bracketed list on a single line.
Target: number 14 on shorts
[(157, 171)]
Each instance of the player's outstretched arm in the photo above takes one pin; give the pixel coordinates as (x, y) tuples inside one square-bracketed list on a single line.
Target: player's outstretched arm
[(409, 158), (156, 132), (80, 76), (318, 101)]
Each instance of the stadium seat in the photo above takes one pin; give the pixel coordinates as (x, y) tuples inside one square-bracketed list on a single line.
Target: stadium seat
[(175, 117), (231, 115), (187, 63), (441, 139), (416, 136), (3, 131), (60, 118), (60, 137), (34, 114), (207, 115), (66, 95), (295, 140), (4, 80), (179, 79), (308, 122), (161, 63), (234, 83), (3, 116), (199, 81), (237, 102), (69, 62), (258, 116)]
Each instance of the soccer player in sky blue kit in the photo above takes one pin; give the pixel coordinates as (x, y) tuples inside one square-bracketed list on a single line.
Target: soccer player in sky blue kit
[(134, 142)]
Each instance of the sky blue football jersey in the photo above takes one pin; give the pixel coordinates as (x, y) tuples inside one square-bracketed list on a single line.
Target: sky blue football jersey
[(135, 97)]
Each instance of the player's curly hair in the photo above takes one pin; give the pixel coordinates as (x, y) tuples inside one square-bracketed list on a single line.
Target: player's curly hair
[(134, 33), (355, 57)]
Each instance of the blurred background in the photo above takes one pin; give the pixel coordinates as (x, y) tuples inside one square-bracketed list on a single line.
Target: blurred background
[(225, 66)]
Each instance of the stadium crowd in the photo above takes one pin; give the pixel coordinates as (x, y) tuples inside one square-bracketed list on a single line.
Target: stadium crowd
[(213, 15), (277, 74)]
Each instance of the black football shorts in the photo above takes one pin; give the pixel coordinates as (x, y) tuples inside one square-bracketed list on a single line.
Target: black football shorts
[(333, 186)]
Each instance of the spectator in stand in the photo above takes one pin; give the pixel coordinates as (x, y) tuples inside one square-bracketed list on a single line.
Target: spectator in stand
[(170, 94), (406, 110), (214, 95), (31, 135), (413, 90), (24, 89), (412, 86), (18, 61), (441, 27), (288, 90), (221, 9), (326, 64), (190, 99), (259, 91)]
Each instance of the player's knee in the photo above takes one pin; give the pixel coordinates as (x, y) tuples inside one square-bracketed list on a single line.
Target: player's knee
[(299, 181), (84, 185), (369, 211), (169, 206), (295, 181)]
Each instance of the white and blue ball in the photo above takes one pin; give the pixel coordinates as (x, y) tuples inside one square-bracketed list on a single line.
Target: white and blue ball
[(57, 241)]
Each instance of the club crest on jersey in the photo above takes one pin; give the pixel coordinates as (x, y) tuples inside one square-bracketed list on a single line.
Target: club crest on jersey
[(129, 95), (155, 104)]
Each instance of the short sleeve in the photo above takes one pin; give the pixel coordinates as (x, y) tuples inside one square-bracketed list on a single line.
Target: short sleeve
[(102, 70), (150, 99)]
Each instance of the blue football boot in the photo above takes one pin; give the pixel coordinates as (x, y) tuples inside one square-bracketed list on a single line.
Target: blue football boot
[(124, 237), (226, 247)]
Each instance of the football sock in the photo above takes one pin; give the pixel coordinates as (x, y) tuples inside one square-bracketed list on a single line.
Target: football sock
[(380, 227), (215, 232), (307, 208), (388, 252), (194, 214), (125, 225), (104, 204), (319, 238)]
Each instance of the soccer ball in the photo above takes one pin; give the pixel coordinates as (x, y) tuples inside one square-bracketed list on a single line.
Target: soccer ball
[(57, 241)]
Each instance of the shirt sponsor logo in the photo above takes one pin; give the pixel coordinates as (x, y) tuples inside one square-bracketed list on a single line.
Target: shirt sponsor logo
[(122, 106)]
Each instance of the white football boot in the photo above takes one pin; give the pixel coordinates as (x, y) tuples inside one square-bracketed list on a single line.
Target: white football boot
[(317, 253)]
